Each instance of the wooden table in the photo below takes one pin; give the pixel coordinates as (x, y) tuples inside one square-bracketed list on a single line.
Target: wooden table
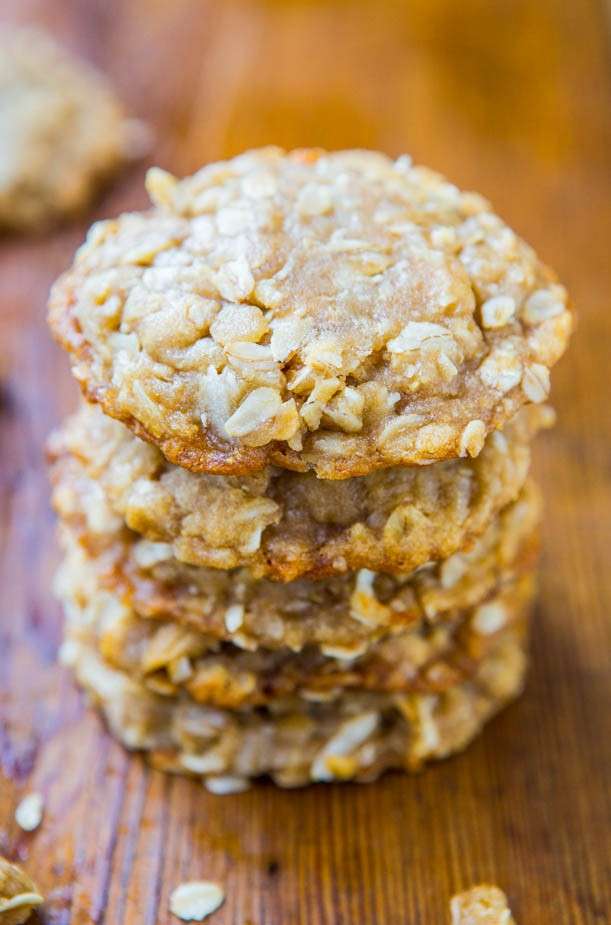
[(510, 97)]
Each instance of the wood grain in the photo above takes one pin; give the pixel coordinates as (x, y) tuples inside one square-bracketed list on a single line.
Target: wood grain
[(510, 97)]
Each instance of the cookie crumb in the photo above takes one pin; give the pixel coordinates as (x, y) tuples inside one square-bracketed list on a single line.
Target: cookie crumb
[(19, 895), (196, 900), (221, 786), (481, 905), (29, 813)]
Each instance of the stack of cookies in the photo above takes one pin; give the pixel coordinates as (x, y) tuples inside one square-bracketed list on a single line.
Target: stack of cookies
[(299, 531)]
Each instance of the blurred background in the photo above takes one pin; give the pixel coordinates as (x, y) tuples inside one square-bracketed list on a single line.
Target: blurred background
[(508, 97)]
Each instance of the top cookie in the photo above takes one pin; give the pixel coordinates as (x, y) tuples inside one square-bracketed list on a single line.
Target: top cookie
[(338, 312), (61, 131)]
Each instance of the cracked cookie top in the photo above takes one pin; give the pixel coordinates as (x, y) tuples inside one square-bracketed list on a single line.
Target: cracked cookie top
[(337, 312)]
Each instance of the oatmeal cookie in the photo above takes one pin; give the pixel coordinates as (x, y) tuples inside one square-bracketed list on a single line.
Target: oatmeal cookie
[(19, 895), (61, 131), (355, 737), (284, 525), (336, 312), (167, 657), (340, 615)]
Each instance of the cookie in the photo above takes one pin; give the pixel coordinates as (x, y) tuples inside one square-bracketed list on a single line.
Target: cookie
[(62, 132), (356, 737), (340, 313), (285, 525), (166, 657), (132, 578)]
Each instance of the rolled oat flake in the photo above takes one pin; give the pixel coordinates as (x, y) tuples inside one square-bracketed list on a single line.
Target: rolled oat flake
[(196, 900)]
